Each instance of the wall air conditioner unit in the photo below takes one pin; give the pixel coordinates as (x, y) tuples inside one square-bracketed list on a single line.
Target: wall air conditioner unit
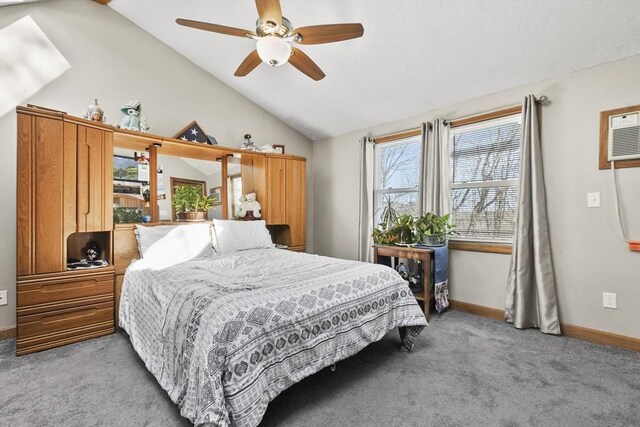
[(624, 136)]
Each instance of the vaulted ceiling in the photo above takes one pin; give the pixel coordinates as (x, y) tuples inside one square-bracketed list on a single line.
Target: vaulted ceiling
[(414, 56)]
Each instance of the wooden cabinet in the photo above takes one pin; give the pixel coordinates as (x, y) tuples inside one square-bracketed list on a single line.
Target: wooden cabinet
[(285, 204), (296, 183), (64, 186), (253, 172), (275, 209), (46, 189), (62, 308), (95, 178)]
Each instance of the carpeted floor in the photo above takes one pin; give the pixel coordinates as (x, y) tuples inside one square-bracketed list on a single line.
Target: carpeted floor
[(465, 370)]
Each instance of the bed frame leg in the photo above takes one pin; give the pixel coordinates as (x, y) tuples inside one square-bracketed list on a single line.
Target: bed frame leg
[(333, 367)]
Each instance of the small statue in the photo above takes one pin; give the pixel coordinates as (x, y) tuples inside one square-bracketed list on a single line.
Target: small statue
[(248, 144), (95, 113), (249, 207), (92, 250), (132, 118)]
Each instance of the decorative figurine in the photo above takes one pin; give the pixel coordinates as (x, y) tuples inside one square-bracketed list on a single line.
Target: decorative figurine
[(132, 118), (408, 276), (92, 250), (95, 113), (249, 207), (248, 144)]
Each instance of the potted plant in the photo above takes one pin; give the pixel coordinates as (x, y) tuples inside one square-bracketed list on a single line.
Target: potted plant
[(190, 203), (434, 230), (405, 229), (384, 234)]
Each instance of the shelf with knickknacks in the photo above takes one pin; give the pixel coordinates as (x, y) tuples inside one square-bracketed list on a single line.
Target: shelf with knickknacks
[(249, 209), (249, 145)]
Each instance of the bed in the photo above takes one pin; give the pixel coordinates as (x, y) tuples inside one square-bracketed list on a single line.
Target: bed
[(225, 334)]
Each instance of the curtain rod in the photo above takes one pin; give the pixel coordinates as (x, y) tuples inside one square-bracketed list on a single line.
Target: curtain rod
[(399, 135), (542, 100)]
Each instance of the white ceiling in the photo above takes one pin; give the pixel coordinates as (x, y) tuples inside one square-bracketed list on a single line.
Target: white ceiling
[(415, 55)]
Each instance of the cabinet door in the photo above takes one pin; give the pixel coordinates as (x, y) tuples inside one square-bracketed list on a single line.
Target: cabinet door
[(296, 172), (46, 170), (254, 176), (275, 212), (95, 179)]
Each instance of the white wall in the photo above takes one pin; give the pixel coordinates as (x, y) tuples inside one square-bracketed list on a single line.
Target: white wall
[(589, 257), (116, 61)]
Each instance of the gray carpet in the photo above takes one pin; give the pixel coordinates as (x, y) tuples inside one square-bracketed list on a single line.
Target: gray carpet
[(465, 370)]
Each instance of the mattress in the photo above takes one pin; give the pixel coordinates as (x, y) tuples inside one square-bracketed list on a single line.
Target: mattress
[(226, 334)]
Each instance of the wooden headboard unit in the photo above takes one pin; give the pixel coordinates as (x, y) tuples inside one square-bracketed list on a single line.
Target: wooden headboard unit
[(125, 244)]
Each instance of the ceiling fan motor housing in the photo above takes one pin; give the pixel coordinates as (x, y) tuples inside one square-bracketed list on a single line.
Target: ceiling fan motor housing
[(273, 29)]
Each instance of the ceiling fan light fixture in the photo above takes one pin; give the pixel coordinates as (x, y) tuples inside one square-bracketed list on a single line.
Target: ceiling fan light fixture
[(273, 50)]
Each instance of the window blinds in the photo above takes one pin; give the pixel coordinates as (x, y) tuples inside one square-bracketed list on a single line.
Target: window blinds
[(484, 166)]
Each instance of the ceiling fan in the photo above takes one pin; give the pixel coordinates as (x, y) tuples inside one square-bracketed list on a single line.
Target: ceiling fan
[(275, 35)]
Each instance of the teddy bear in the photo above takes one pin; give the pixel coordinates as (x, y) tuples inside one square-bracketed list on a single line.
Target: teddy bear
[(248, 203)]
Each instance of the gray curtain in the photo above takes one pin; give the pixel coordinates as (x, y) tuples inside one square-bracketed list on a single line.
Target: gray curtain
[(365, 219), (424, 135), (436, 170), (531, 290)]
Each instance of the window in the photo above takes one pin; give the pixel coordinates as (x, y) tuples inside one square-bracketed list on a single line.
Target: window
[(484, 178), (397, 176)]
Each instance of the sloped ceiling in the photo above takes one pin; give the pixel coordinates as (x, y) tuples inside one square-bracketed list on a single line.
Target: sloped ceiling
[(414, 56)]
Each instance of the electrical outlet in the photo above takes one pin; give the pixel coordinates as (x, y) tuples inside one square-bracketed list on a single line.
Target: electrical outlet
[(609, 300), (3, 297), (593, 200)]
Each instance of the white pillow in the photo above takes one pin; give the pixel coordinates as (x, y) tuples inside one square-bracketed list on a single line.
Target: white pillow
[(231, 236), (175, 242)]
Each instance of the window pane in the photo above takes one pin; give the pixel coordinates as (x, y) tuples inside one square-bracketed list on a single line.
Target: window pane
[(399, 165), (403, 203), (484, 213), (489, 153)]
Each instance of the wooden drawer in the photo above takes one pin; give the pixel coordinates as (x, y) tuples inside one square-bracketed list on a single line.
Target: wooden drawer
[(64, 289), (60, 320)]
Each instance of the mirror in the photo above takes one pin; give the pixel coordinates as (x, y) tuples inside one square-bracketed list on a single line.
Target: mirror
[(182, 185), (234, 185), (130, 186)]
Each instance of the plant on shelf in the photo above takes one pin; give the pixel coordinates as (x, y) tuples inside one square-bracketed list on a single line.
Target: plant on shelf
[(430, 229), (383, 233), (405, 228), (190, 203), (433, 229)]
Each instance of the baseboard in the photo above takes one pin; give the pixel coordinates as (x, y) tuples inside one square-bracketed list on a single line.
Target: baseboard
[(600, 337), (480, 310), (5, 334), (573, 331)]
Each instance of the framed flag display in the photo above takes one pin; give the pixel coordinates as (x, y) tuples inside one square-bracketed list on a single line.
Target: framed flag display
[(193, 132)]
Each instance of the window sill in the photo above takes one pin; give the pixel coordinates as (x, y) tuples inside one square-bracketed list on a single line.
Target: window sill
[(494, 248)]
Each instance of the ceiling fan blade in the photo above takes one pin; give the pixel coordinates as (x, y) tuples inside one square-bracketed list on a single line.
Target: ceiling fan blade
[(248, 65), (303, 63), (318, 34), (231, 31), (269, 11)]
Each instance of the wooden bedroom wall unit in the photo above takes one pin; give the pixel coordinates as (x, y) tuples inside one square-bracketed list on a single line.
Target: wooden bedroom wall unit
[(56, 189)]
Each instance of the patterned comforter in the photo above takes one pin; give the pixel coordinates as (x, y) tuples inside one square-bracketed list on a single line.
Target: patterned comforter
[(225, 335)]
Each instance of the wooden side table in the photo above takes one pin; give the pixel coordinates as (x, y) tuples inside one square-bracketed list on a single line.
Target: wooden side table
[(422, 254)]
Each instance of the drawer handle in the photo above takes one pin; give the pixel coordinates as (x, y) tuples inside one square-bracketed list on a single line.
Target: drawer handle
[(68, 316), (55, 287)]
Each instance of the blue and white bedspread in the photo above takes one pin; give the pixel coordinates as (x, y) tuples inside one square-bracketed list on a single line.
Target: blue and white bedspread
[(225, 335)]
